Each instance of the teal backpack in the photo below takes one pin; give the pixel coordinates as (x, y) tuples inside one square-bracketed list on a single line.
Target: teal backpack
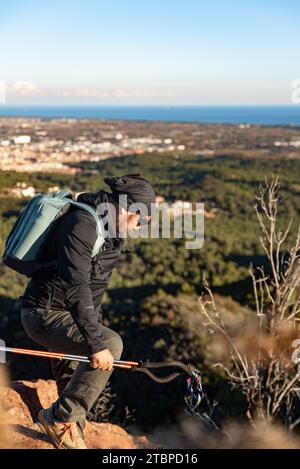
[(31, 231)]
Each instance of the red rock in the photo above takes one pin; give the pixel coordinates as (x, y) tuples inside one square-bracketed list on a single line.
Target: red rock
[(27, 437), (108, 436), (23, 400), (37, 394), (14, 408)]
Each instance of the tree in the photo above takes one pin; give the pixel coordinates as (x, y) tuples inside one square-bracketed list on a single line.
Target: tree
[(260, 361)]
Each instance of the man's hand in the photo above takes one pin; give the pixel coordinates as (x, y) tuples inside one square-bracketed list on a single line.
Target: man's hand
[(103, 361)]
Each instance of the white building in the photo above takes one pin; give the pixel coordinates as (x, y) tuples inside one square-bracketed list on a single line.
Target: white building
[(28, 192), (22, 139), (53, 189)]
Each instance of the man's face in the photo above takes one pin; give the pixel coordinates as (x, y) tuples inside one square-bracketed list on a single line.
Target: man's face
[(129, 221)]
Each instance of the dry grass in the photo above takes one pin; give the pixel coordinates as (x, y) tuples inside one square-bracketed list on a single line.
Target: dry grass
[(256, 352), (259, 435)]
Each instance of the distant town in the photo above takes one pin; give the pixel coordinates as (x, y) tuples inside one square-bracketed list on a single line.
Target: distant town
[(56, 145), (52, 146)]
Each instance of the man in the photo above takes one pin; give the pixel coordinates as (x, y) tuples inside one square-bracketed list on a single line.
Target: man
[(61, 307)]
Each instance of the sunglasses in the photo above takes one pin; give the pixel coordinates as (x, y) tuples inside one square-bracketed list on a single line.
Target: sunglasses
[(142, 221)]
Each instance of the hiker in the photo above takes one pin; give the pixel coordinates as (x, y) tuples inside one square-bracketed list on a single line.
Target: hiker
[(61, 306)]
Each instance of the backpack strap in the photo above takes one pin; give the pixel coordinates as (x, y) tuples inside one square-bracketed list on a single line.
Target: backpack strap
[(63, 194), (100, 230), (96, 248), (100, 234)]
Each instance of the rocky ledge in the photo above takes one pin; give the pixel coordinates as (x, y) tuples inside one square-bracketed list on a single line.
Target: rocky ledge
[(21, 402)]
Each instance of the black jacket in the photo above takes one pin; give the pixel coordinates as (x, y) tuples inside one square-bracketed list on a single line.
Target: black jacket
[(78, 283)]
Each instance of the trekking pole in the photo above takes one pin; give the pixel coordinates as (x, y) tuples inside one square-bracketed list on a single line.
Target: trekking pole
[(61, 356), (134, 366), (194, 394)]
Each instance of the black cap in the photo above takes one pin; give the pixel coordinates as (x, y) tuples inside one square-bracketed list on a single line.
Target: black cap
[(137, 189)]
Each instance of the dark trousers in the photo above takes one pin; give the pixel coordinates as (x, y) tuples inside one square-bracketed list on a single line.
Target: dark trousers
[(79, 385)]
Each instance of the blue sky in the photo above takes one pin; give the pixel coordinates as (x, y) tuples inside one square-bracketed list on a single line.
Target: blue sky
[(149, 51)]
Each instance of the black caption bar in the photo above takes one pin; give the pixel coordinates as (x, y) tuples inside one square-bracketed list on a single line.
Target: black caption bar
[(148, 458)]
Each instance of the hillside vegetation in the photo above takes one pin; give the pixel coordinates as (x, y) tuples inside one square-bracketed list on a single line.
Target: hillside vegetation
[(153, 294)]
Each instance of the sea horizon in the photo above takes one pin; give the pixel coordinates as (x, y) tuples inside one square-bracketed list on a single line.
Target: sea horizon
[(272, 115)]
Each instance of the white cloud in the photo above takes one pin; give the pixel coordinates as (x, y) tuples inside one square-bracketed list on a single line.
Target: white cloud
[(101, 93), (31, 90), (24, 88)]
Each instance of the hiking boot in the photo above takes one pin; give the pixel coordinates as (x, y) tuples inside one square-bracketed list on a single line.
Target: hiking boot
[(64, 435)]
